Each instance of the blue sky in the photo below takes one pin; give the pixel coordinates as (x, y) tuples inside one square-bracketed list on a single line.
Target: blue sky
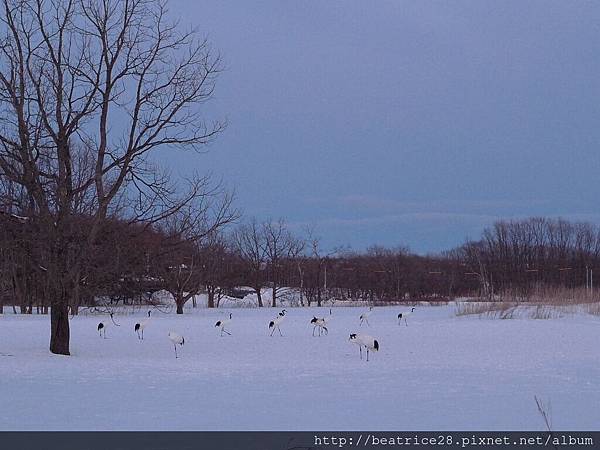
[(404, 122)]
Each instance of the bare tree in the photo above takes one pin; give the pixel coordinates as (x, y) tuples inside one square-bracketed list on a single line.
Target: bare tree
[(219, 268), (317, 282), (106, 82), (279, 246), (248, 242), (181, 278), (187, 233)]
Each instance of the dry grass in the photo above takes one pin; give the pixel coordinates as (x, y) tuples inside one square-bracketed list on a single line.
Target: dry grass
[(545, 410), (544, 312), (542, 303), (593, 308), (509, 310), (551, 295), (492, 310)]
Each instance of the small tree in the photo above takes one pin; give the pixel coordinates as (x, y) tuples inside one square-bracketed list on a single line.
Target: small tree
[(219, 268), (248, 242), (279, 245), (187, 233)]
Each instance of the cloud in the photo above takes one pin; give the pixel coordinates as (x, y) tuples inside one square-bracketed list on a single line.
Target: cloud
[(409, 218), (459, 206), (422, 232)]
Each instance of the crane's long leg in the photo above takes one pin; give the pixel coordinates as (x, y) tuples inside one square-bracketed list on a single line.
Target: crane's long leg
[(175, 347), (360, 349), (368, 322), (280, 333), (405, 321), (223, 330), (367, 354), (314, 330), (272, 331)]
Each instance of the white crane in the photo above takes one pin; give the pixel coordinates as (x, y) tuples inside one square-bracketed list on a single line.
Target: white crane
[(364, 340), (102, 326), (404, 314), (364, 317), (321, 324), (273, 324), (222, 323), (176, 340), (141, 326)]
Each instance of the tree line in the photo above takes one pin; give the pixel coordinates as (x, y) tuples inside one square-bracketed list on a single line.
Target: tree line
[(518, 257), (131, 261)]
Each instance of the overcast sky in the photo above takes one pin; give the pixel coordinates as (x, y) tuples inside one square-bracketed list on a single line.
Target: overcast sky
[(405, 122)]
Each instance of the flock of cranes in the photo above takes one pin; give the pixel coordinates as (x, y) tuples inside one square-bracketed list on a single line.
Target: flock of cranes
[(369, 343)]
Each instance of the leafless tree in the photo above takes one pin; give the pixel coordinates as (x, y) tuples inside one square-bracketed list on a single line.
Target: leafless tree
[(248, 242), (187, 233), (219, 268), (279, 245), (88, 90), (317, 266)]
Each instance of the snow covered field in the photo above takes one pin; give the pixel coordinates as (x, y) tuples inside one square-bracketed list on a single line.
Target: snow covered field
[(440, 372)]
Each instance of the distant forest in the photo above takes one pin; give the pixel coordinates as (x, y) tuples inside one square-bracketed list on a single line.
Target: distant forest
[(131, 261)]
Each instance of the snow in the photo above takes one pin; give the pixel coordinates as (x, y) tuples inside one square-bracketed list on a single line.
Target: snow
[(441, 372)]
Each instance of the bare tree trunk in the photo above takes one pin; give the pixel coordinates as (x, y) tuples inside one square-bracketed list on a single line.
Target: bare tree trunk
[(76, 297), (179, 301), (59, 325), (211, 298), (274, 302), (259, 295), (301, 285)]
